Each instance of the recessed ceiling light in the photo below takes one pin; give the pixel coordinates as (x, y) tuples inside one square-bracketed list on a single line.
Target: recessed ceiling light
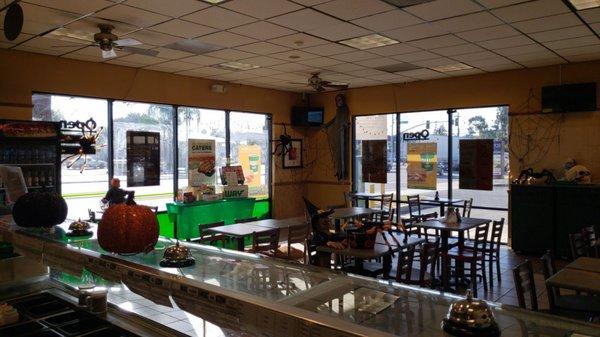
[(369, 41), (584, 4), (452, 67), (235, 66), (214, 2)]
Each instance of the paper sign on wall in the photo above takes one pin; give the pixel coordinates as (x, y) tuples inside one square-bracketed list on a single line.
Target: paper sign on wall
[(201, 162), (476, 164), (422, 166), (374, 161)]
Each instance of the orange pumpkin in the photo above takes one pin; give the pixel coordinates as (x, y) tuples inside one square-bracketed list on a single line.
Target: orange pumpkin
[(128, 229)]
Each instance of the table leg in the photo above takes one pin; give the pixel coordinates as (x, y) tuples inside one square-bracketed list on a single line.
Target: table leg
[(240, 243), (387, 266), (460, 266), (442, 208), (445, 260)]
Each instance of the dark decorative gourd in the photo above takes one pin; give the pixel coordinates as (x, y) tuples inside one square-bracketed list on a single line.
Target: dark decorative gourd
[(40, 209), (128, 229)]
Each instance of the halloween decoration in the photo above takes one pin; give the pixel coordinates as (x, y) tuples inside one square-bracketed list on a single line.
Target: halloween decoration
[(338, 134), (470, 317), (283, 145), (177, 256), (40, 209), (528, 177), (78, 139), (579, 174), (128, 229), (13, 21)]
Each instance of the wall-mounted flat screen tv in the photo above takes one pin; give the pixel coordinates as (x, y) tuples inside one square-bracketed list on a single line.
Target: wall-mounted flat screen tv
[(569, 97), (307, 116)]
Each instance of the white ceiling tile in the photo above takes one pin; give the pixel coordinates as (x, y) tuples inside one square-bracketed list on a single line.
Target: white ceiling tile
[(488, 33), (262, 9), (305, 20), (355, 56), (573, 42), (294, 56), (310, 2), (141, 60), (236, 75), (423, 74), (73, 6), (486, 63), (584, 57), (262, 48), (81, 57), (320, 62), (442, 9), (56, 46), (131, 15), (339, 32), (22, 37), (262, 30), (390, 78), (415, 32), (458, 50), (299, 79), (591, 15), (225, 39), (38, 19), (548, 23), (171, 54), (501, 67), (417, 56), (328, 49), (90, 25), (365, 72), (182, 28), (263, 61), (202, 60), (205, 72), (337, 77), (53, 51), (299, 40), (467, 22), (531, 48), (514, 41), (152, 38), (291, 66), (353, 9), (561, 34), (263, 71), (172, 66), (395, 49), (345, 67), (499, 3), (437, 42), (377, 62), (596, 27), (482, 55), (466, 72), (218, 17), (530, 10), (230, 54), (529, 57), (172, 8), (387, 21), (569, 52), (543, 62), (437, 62), (365, 83)]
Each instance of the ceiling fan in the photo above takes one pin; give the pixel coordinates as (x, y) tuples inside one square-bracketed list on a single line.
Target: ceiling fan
[(317, 83), (105, 39)]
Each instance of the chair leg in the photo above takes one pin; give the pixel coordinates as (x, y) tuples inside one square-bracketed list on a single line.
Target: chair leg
[(498, 266), (474, 278), (491, 268), (483, 273)]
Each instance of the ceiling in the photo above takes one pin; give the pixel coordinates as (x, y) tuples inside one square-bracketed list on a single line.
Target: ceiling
[(285, 41)]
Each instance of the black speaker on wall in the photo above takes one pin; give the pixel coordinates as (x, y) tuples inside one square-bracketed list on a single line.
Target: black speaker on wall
[(569, 97)]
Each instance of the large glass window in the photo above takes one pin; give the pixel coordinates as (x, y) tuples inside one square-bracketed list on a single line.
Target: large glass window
[(81, 189), (249, 134), (132, 116), (195, 123)]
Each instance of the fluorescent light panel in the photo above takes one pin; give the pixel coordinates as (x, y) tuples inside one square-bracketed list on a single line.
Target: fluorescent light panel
[(235, 66), (585, 4), (369, 41), (452, 67)]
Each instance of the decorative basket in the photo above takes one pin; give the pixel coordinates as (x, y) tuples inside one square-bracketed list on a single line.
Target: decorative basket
[(361, 240)]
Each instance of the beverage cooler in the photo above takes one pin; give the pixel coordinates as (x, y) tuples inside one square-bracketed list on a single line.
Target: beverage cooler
[(35, 147)]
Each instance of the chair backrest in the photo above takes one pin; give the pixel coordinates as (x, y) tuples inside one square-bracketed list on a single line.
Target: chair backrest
[(405, 263), (480, 239), (549, 268), (496, 234), (350, 200), (92, 215), (386, 201), (203, 227), (524, 283), (246, 220), (297, 234), (466, 213), (414, 205), (428, 257), (265, 241), (590, 237), (578, 246)]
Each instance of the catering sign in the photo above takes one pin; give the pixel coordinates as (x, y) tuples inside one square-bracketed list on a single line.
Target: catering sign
[(201, 162), (422, 166)]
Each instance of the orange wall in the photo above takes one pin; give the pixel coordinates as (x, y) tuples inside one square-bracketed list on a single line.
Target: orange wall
[(577, 136), (23, 73)]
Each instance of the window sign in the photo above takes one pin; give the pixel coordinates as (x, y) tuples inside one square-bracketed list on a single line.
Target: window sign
[(422, 166)]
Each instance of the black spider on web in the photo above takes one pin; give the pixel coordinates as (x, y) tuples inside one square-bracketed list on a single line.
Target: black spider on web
[(283, 145), (86, 142)]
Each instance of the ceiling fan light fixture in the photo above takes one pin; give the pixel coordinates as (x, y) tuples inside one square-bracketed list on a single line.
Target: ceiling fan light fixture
[(584, 4), (369, 41), (235, 66), (451, 67)]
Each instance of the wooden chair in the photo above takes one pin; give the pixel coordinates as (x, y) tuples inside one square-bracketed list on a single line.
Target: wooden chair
[(525, 284), (265, 242), (578, 246), (246, 220), (473, 256), (467, 206), (492, 250), (404, 266), (592, 241), (414, 209), (385, 205), (92, 216), (428, 257), (210, 238), (350, 200), (296, 234)]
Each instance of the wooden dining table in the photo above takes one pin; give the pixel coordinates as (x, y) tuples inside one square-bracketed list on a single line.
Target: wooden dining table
[(445, 230), (582, 275), (443, 202), (351, 212)]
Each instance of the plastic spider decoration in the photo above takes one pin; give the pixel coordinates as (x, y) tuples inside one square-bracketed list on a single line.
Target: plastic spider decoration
[(283, 145), (79, 140)]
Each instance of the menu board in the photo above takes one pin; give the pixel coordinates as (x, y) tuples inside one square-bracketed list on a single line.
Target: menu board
[(374, 161), (422, 166), (249, 159), (476, 164), (143, 158), (201, 162)]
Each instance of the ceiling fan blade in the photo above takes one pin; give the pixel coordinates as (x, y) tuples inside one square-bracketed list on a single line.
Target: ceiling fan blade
[(127, 42), (337, 85), (141, 51), (108, 54), (74, 45), (297, 83), (67, 34)]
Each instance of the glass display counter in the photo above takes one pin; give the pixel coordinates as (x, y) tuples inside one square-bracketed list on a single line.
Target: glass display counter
[(248, 295)]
